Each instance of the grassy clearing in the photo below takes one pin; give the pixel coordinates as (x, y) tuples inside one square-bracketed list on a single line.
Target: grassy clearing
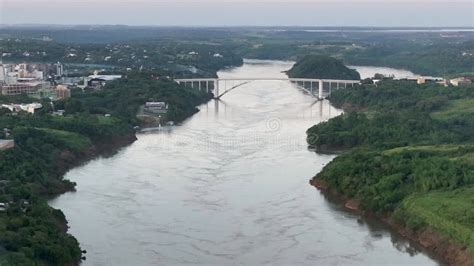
[(468, 158), (462, 153), (70, 140), (435, 149), (455, 109), (449, 212), (103, 120)]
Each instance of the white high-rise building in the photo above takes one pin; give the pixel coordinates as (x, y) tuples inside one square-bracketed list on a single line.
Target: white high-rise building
[(59, 69), (2, 72)]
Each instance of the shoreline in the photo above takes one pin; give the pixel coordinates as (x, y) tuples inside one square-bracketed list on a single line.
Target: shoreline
[(436, 244), (442, 246), (68, 161)]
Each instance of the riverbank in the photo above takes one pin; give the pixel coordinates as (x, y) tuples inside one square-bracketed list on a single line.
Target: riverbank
[(46, 147), (407, 166), (441, 247), (95, 124), (68, 160)]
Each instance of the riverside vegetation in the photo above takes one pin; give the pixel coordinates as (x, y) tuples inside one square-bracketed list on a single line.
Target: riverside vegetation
[(46, 146), (409, 160)]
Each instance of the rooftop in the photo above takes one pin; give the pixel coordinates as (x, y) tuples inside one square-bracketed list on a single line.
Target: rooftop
[(105, 77)]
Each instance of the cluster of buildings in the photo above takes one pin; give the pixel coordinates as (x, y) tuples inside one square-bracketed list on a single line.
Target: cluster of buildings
[(36, 80), (456, 82), (24, 204), (461, 81)]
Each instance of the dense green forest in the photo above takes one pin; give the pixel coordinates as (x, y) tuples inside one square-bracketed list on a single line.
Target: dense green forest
[(322, 67), (31, 232), (410, 153)]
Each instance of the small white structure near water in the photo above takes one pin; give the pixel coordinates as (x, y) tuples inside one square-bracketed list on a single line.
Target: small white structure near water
[(6, 144), (156, 107)]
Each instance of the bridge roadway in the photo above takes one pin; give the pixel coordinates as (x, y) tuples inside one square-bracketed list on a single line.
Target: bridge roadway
[(313, 84)]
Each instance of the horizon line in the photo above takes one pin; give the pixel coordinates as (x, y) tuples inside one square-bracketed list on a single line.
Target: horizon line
[(463, 27)]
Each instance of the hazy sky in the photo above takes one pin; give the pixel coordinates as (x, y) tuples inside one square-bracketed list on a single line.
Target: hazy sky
[(241, 12)]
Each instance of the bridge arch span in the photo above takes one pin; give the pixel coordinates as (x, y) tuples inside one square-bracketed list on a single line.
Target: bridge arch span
[(309, 85)]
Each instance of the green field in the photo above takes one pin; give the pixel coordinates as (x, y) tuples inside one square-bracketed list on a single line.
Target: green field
[(449, 212), (432, 149)]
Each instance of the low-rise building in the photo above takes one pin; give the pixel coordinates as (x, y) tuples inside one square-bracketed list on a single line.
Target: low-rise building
[(461, 81), (443, 82), (6, 144), (21, 88), (99, 81), (59, 113), (30, 107), (62, 92), (422, 79), (156, 107)]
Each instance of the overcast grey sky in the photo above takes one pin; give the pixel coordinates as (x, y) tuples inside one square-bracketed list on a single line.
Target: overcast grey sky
[(241, 12)]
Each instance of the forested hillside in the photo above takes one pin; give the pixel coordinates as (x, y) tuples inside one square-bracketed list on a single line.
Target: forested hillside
[(411, 156)]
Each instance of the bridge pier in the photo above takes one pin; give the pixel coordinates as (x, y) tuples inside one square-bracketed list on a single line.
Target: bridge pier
[(216, 88), (320, 91)]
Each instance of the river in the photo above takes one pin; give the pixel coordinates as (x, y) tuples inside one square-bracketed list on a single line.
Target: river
[(228, 186)]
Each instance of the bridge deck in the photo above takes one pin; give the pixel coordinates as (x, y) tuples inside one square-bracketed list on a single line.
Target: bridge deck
[(268, 79), (320, 84)]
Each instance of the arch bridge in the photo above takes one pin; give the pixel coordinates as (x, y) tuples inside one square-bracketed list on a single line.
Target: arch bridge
[(222, 86)]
